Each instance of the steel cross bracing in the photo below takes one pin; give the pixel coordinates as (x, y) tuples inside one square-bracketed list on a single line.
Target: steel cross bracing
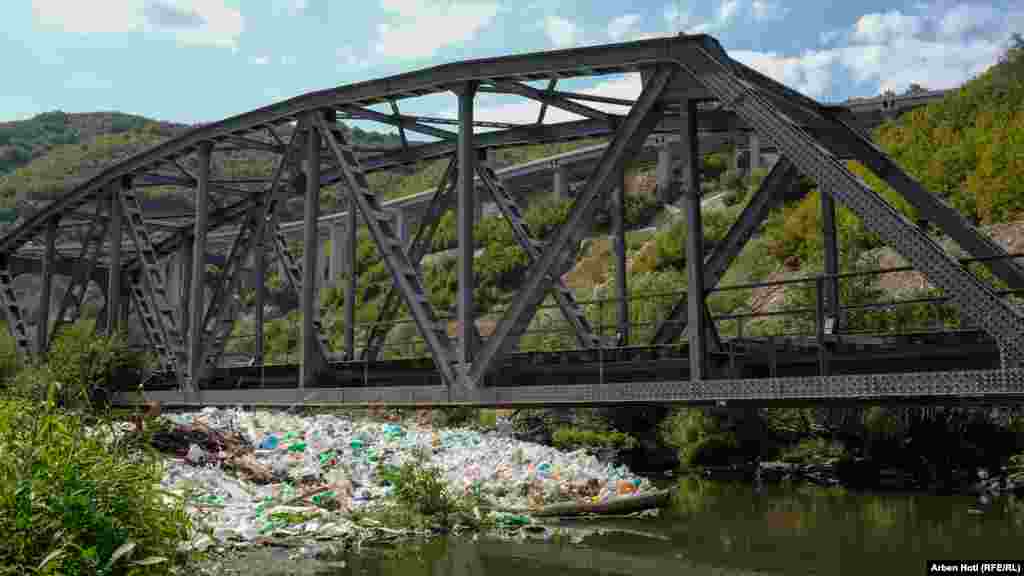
[(92, 245), (558, 255), (219, 316), (442, 201), (13, 312), (977, 300), (404, 274), (149, 290), (586, 337), (770, 194)]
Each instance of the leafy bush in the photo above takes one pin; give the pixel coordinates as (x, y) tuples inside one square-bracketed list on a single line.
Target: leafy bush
[(75, 503), (568, 438)]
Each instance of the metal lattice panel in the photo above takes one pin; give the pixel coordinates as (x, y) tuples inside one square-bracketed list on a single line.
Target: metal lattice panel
[(586, 336), (996, 384), (150, 290), (293, 274), (403, 272), (219, 318), (12, 310), (975, 299), (442, 201)]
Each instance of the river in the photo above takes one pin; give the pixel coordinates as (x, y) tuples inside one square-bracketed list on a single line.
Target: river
[(712, 527)]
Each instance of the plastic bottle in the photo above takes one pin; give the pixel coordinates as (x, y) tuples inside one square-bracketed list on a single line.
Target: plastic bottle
[(269, 442)]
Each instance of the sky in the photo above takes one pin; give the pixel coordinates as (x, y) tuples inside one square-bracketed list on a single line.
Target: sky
[(203, 60)]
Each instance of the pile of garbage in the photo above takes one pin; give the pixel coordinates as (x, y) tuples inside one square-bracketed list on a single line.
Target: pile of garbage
[(250, 475)]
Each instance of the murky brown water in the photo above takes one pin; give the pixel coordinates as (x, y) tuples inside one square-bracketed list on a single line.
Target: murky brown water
[(714, 528)]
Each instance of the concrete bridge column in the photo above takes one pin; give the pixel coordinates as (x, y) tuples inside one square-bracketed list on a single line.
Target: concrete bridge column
[(663, 173), (755, 152), (337, 260), (560, 175), (398, 220)]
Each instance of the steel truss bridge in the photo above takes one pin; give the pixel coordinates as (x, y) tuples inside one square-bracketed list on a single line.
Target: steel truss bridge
[(98, 231)]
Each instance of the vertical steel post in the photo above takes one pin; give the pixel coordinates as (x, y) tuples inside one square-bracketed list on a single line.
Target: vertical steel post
[(351, 281), (259, 263), (619, 241), (694, 242), (309, 302), (197, 305), (43, 312), (185, 255), (831, 246), (337, 264), (114, 273), (663, 172), (820, 287), (464, 226)]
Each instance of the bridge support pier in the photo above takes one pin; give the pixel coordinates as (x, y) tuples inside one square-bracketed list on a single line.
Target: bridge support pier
[(697, 331), (663, 173), (560, 175)]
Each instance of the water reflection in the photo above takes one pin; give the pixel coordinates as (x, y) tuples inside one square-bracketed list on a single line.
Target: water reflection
[(724, 529)]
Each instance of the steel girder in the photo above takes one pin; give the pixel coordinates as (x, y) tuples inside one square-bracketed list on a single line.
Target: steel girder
[(586, 336), (149, 291), (13, 312), (550, 100), (975, 299), (640, 121), (440, 203), (769, 195), (403, 273), (956, 387)]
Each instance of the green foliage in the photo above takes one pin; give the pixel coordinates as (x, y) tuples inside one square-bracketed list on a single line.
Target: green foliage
[(423, 489), (76, 503), (815, 450), (80, 360), (707, 437), (568, 438), (20, 142)]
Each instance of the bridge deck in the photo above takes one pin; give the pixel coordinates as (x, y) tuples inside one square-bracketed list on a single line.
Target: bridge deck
[(942, 366)]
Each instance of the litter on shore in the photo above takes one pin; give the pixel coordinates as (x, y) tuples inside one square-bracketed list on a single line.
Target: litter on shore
[(248, 476)]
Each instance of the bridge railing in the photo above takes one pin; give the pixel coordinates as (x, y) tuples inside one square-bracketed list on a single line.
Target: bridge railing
[(804, 315)]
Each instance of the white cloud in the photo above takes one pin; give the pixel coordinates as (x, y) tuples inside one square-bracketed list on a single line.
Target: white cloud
[(810, 73), (619, 27), (83, 17), (420, 27), (963, 20), (192, 22), (880, 28), (260, 60), (561, 32), (727, 11), (677, 20)]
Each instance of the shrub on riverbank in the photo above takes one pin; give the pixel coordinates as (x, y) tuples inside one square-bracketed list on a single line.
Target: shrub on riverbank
[(73, 501)]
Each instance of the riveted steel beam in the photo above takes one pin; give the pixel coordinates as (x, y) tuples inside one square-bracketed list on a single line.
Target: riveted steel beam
[(13, 312), (440, 203), (696, 311), (543, 104), (403, 273), (313, 355), (464, 220), (977, 301), (561, 251), (114, 269), (547, 98), (401, 121)]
